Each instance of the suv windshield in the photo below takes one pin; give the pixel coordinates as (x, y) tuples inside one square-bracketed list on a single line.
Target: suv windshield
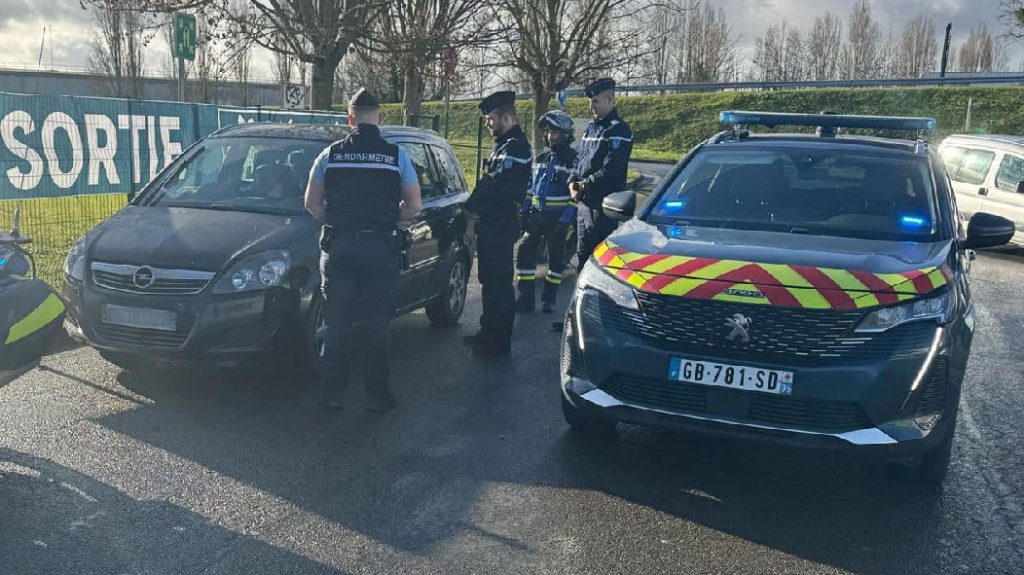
[(244, 174), (834, 192)]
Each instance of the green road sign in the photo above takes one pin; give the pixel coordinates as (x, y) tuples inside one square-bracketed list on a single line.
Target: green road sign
[(184, 36)]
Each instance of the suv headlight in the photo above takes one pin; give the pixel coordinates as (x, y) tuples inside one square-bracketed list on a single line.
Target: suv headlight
[(256, 272), (938, 308), (74, 263), (594, 277)]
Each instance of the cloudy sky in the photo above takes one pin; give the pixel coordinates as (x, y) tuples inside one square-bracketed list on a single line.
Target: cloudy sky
[(71, 29)]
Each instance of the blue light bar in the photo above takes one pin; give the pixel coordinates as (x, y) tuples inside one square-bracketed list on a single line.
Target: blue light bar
[(913, 221), (772, 119)]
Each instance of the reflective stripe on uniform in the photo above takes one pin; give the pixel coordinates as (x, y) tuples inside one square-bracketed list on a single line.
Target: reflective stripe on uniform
[(526, 274), (513, 158), (49, 310), (606, 138), (554, 278)]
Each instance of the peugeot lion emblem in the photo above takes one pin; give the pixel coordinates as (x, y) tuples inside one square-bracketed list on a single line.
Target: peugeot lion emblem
[(143, 277), (740, 325)]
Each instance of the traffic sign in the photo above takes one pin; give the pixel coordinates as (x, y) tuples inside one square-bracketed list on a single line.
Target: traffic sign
[(184, 36)]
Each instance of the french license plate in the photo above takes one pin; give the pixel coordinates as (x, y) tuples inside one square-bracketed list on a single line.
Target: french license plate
[(733, 376), (138, 317)]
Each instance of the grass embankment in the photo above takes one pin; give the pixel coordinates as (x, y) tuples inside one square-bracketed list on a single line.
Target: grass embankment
[(665, 127)]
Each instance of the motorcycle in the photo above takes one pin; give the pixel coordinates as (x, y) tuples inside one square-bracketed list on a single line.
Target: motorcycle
[(31, 312)]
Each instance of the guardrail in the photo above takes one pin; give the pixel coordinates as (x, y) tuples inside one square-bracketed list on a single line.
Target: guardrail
[(794, 85)]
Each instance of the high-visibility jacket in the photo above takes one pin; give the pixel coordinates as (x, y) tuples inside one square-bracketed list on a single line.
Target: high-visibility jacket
[(549, 191)]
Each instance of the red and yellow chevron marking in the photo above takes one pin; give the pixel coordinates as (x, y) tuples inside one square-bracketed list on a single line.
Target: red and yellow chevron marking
[(769, 284)]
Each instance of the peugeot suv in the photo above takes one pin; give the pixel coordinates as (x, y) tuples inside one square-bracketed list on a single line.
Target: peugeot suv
[(809, 289), (217, 260)]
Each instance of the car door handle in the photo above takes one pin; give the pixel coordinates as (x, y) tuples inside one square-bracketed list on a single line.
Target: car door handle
[(982, 191)]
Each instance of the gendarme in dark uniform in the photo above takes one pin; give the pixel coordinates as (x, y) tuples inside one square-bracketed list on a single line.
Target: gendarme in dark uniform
[(357, 189), (601, 170), (497, 200)]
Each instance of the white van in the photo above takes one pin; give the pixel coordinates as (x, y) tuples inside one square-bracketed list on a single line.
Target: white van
[(988, 175)]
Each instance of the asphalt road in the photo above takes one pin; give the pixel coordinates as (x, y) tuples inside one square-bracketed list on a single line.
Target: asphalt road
[(200, 471)]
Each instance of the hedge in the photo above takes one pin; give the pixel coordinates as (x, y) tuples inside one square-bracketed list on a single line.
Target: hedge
[(665, 126)]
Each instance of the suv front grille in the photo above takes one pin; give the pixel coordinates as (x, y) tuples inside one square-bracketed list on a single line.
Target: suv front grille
[(749, 407), (125, 278), (796, 336)]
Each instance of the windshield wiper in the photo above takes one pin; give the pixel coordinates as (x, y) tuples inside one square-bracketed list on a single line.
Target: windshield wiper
[(252, 209), (799, 230)]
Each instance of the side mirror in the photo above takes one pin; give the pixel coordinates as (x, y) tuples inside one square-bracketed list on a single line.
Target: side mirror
[(620, 206), (988, 230), (1020, 187)]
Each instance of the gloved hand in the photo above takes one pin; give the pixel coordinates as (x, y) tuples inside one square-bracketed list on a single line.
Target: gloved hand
[(576, 190)]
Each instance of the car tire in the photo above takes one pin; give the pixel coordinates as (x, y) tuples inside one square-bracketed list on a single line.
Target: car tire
[(446, 309), (583, 425), (311, 345), (932, 466)]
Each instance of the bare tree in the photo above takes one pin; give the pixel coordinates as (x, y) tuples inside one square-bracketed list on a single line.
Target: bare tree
[(768, 54), (860, 57), (710, 51), (1011, 14), (663, 21), (980, 52), (284, 64), (418, 33), (780, 55), (918, 48), (554, 43), (117, 51), (824, 46), (317, 32), (207, 65)]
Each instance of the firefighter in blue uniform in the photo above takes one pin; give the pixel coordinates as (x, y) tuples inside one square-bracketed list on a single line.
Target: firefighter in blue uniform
[(497, 201), (548, 212), (360, 188), (601, 168)]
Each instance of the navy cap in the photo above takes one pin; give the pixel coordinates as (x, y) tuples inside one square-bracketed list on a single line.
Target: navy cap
[(364, 99), (598, 86), (497, 100)]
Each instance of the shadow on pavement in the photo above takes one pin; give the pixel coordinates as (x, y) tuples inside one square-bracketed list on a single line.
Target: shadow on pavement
[(412, 477), (68, 523)]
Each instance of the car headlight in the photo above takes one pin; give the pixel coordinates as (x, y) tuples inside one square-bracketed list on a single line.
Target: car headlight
[(74, 264), (257, 272), (594, 277), (938, 308)]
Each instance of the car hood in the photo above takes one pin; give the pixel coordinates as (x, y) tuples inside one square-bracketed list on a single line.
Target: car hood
[(789, 270), (189, 238)]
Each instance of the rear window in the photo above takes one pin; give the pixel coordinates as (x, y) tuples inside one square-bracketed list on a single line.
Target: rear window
[(831, 192)]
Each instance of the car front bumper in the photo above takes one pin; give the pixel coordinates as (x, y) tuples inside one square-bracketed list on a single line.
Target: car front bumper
[(209, 327), (894, 407)]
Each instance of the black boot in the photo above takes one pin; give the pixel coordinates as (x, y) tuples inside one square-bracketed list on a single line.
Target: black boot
[(550, 296)]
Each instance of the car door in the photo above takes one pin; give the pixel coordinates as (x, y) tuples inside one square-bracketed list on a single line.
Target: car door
[(1005, 198), (422, 253), (968, 168)]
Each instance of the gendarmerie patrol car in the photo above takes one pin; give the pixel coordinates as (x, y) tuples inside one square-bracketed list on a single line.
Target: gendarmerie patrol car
[(802, 288)]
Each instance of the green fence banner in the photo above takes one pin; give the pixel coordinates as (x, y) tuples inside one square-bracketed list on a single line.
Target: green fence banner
[(53, 146)]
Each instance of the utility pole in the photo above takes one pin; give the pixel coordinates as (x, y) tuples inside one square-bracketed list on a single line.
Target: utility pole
[(945, 50)]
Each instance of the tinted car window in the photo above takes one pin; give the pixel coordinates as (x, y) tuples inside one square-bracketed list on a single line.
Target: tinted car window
[(247, 174), (452, 174), (1011, 173), (418, 154), (822, 191), (974, 167)]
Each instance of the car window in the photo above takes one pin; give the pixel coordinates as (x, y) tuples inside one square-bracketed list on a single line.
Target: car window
[(1010, 174), (239, 173), (418, 154), (952, 157), (451, 173), (974, 167), (823, 191)]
